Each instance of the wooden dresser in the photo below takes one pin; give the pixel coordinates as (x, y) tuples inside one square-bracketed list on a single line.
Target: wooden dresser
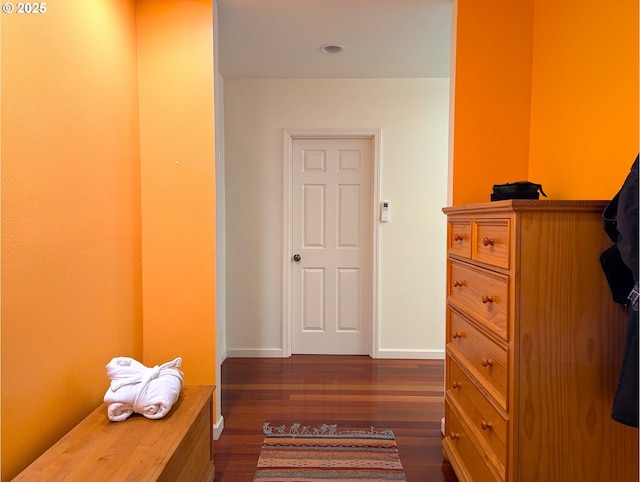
[(534, 346), (177, 447)]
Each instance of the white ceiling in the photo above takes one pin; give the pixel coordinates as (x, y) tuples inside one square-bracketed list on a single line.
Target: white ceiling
[(382, 38)]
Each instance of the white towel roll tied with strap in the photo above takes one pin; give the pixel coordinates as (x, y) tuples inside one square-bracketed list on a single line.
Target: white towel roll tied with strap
[(136, 388)]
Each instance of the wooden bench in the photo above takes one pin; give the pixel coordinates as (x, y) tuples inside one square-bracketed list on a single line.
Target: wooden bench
[(177, 447)]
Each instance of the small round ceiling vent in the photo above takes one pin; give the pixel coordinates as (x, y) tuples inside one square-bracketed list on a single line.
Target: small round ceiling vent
[(332, 49)]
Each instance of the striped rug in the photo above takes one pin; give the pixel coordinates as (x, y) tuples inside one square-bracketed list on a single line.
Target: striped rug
[(304, 453)]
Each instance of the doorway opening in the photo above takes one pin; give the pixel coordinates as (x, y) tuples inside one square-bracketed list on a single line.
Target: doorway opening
[(304, 304)]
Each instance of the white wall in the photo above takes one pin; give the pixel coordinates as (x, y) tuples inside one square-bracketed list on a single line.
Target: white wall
[(413, 115), (220, 225)]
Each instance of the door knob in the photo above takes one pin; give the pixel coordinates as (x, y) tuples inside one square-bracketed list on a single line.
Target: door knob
[(297, 257)]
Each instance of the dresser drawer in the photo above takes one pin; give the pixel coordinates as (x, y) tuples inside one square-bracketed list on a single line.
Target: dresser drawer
[(482, 293), (460, 237), (463, 451), (492, 242), (490, 425), (485, 358)]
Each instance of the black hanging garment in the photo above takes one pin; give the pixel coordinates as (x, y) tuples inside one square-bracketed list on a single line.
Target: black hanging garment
[(620, 265)]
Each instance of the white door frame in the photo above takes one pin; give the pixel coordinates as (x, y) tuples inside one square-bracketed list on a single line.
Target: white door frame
[(288, 136)]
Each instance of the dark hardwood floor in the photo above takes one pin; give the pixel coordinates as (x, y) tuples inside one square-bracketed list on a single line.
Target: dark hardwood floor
[(354, 392)]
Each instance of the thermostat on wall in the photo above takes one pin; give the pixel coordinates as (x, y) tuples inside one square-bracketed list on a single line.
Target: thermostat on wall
[(384, 212)]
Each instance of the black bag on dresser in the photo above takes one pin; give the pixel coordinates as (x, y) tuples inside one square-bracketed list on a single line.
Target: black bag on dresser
[(517, 190)]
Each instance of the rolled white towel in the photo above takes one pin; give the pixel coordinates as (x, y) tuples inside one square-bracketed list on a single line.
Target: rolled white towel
[(136, 388)]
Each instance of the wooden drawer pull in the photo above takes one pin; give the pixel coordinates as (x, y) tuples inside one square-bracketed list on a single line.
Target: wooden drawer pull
[(487, 362), (457, 283), (456, 334), (487, 299), (458, 237), (454, 436), (455, 384), (486, 425), (488, 241)]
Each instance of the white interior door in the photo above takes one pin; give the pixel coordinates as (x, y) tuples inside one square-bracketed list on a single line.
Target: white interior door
[(331, 246)]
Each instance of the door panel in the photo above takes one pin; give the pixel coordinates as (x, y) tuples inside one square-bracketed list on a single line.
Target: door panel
[(348, 216), (348, 300), (331, 231), (313, 282), (314, 202)]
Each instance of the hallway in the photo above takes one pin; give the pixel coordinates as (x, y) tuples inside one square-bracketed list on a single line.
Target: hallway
[(405, 396)]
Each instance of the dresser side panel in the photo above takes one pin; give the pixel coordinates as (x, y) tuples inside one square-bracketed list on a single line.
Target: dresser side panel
[(569, 338)]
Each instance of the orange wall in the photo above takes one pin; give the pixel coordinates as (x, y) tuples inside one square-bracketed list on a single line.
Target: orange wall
[(492, 92), (178, 184), (99, 100), (545, 91), (71, 268), (584, 123)]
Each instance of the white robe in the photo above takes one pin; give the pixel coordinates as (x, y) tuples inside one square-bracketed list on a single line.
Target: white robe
[(136, 388)]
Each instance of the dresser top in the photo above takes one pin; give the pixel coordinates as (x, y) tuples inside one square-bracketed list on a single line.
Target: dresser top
[(514, 205)]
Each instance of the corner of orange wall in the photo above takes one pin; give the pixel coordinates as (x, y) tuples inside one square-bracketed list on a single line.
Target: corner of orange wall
[(492, 92), (175, 55), (546, 92)]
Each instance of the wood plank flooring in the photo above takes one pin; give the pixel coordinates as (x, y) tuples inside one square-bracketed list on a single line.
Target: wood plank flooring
[(354, 392)]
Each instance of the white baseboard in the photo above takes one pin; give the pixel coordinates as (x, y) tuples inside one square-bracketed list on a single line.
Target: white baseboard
[(397, 354), (255, 353), (412, 354), (218, 427), (222, 357)]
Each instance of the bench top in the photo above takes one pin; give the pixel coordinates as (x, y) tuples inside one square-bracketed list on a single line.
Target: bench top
[(98, 449)]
